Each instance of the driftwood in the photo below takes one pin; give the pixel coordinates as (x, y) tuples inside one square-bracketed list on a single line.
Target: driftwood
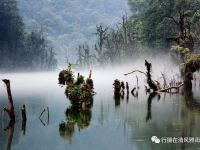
[(42, 122), (135, 71), (150, 82), (10, 109), (170, 88), (155, 85), (42, 113), (134, 92)]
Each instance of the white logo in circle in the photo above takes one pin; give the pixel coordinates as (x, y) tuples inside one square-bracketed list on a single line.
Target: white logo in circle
[(155, 139)]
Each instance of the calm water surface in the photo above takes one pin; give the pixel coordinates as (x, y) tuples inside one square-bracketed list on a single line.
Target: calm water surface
[(111, 125)]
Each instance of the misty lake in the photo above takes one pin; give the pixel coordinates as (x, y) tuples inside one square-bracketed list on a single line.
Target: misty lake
[(127, 124)]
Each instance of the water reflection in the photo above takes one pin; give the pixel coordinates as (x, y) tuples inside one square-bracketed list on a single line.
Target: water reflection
[(23, 128), (10, 131), (191, 102), (149, 102), (117, 98), (132, 124), (76, 117), (120, 95)]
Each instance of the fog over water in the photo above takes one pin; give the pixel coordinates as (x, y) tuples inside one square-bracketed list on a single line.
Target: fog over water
[(114, 124), (91, 43)]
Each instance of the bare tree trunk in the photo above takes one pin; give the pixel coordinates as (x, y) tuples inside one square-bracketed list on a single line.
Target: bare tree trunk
[(10, 130), (10, 110)]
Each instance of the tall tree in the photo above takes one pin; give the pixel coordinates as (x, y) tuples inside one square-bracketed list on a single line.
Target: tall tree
[(21, 49)]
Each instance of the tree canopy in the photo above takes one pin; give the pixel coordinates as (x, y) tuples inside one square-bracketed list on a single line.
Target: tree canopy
[(19, 48)]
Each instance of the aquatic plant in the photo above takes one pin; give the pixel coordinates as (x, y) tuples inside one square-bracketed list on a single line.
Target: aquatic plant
[(79, 80), (79, 90), (66, 76), (80, 94)]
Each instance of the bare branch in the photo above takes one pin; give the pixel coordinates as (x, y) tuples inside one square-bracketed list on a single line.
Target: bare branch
[(170, 88), (135, 71)]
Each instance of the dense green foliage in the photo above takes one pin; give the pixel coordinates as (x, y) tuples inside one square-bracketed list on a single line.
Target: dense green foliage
[(154, 26), (21, 49), (162, 23), (78, 91)]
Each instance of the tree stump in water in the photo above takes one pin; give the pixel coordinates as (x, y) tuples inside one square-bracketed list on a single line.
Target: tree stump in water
[(23, 112), (150, 82), (10, 109)]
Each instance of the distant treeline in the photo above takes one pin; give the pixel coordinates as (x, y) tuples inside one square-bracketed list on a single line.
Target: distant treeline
[(19, 48), (154, 27)]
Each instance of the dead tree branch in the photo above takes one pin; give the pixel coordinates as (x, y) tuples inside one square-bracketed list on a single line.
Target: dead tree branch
[(135, 71), (42, 113), (170, 88)]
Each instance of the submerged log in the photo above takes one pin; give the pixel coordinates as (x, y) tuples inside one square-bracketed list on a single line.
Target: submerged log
[(10, 109)]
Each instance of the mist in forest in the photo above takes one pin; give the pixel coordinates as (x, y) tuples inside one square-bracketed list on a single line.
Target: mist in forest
[(76, 71)]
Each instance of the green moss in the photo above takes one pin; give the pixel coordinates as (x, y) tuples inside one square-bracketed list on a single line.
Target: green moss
[(74, 93), (85, 94), (191, 63), (180, 49)]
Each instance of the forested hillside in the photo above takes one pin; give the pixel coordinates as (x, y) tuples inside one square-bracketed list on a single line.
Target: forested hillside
[(71, 22), (20, 48), (161, 23), (154, 27)]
